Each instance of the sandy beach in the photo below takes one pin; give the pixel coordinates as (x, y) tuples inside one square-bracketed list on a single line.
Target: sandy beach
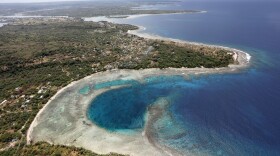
[(143, 15), (241, 57), (115, 18), (63, 119)]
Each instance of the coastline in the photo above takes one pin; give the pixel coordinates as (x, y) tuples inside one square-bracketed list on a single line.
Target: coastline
[(52, 125), (80, 134), (177, 13), (139, 32), (117, 17), (63, 119), (244, 61)]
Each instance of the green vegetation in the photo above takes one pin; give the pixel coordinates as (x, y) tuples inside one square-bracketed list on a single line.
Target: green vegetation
[(36, 60), (42, 148), (85, 8), (187, 57)]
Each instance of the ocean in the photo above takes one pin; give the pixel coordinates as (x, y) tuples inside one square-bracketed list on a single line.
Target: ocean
[(220, 114)]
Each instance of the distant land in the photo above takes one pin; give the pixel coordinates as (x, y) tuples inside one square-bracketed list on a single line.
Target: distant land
[(84, 8)]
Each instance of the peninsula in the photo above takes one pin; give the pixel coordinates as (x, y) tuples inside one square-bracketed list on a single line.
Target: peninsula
[(47, 59), (63, 120)]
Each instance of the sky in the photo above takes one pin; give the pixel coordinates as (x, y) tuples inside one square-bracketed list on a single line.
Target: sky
[(31, 1)]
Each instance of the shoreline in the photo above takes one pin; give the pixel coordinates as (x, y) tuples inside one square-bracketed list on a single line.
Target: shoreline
[(138, 32), (117, 17), (237, 53), (175, 13), (63, 119), (82, 104), (34, 122), (52, 122), (79, 134)]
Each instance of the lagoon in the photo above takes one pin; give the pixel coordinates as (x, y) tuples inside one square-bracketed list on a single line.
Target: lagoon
[(184, 111), (229, 114)]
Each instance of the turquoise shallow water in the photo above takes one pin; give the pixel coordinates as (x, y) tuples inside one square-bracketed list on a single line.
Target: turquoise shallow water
[(125, 108), (85, 90), (221, 114), (114, 83), (206, 114)]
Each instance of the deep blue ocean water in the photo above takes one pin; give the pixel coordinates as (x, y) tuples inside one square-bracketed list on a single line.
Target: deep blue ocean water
[(221, 114)]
